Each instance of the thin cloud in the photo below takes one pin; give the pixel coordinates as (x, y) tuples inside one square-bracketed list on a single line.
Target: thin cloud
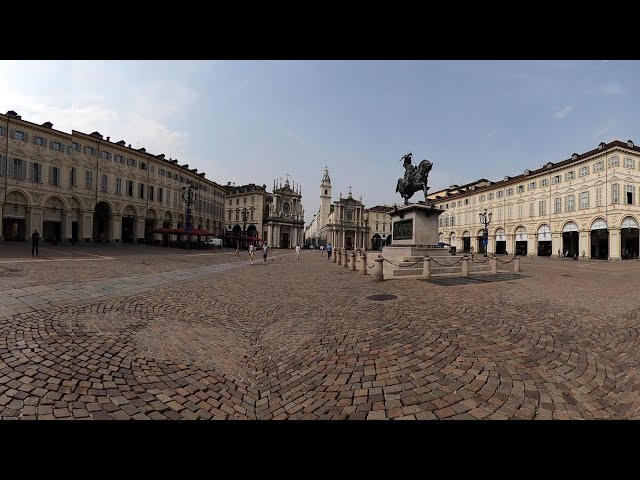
[(563, 112), (612, 88)]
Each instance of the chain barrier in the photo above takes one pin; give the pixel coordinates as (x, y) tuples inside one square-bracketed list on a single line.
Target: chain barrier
[(473, 258), (444, 265), (502, 261)]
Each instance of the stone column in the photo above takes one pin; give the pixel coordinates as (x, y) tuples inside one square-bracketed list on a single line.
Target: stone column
[(346, 259), (465, 266), (516, 265), (584, 243), (378, 275), (344, 238), (426, 267), (115, 227), (363, 264), (87, 225), (1, 223), (556, 243), (491, 245), (494, 265), (614, 244), (65, 226)]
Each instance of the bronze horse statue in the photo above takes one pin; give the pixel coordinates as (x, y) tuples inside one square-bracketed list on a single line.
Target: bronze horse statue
[(415, 178)]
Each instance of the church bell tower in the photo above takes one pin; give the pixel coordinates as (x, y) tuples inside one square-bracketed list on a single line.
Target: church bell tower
[(325, 199)]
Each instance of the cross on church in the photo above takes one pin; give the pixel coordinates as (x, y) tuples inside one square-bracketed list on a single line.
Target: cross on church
[(349, 189), (287, 175)]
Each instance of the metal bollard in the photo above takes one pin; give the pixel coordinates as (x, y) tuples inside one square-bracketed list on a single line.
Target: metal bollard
[(346, 259), (426, 267), (465, 266), (363, 264), (494, 265), (339, 257), (378, 274), (516, 265), (353, 262)]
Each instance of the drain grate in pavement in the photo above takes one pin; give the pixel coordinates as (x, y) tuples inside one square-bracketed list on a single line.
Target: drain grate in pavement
[(383, 297), (456, 281)]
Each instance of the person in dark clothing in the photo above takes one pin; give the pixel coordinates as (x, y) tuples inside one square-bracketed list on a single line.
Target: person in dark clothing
[(35, 240)]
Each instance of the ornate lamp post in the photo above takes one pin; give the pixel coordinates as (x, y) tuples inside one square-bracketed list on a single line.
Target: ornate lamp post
[(244, 227), (189, 197), (485, 219)]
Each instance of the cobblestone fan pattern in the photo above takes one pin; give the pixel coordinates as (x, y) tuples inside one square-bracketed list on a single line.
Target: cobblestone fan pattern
[(299, 340)]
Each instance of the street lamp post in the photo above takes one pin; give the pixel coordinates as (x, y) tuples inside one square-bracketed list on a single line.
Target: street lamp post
[(485, 219), (244, 227), (189, 197)]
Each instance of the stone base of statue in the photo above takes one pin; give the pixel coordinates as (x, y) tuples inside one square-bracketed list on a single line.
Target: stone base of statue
[(414, 235)]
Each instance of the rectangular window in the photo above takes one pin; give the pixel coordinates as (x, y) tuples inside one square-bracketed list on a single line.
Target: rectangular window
[(73, 177), (614, 161), (570, 175), (150, 193), (584, 200), (88, 179), (630, 194), (555, 179), (251, 215), (482, 198), (118, 159), (558, 205), (598, 166), (54, 176), (510, 191), (499, 194), (521, 187), (103, 183), (599, 197), (629, 162), (131, 162), (615, 193), (253, 200), (499, 214), (569, 203), (531, 209), (36, 172), (141, 190), (18, 135), (466, 201), (118, 185), (542, 207), (519, 211), (76, 146), (231, 212), (40, 141), (583, 171), (544, 182), (237, 216), (161, 172), (509, 213), (57, 146), (459, 203), (88, 150), (531, 186), (130, 188), (160, 195), (143, 166)]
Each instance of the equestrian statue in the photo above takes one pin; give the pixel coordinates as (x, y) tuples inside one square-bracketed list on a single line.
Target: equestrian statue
[(415, 178)]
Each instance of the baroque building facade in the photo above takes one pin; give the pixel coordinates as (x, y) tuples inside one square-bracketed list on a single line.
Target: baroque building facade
[(341, 223), (84, 187), (378, 219), (587, 206), (255, 215)]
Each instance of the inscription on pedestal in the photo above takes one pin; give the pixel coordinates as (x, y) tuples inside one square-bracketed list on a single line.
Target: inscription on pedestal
[(403, 229)]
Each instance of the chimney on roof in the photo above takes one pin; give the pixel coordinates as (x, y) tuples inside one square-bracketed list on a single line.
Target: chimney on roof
[(574, 156), (143, 150), (47, 124), (11, 113), (108, 138), (121, 142), (129, 145), (96, 134), (601, 145), (630, 144)]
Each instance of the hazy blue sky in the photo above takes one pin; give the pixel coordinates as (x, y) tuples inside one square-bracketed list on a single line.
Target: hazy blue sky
[(253, 121)]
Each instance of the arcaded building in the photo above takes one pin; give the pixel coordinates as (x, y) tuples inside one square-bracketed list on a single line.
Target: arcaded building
[(587, 205), (85, 187)]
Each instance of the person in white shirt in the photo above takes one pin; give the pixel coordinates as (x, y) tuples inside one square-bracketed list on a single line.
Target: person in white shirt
[(251, 250), (297, 252)]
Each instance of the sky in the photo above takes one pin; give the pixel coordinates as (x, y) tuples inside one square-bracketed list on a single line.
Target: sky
[(256, 121)]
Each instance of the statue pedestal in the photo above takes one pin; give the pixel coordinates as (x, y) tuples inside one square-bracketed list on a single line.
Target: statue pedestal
[(414, 235)]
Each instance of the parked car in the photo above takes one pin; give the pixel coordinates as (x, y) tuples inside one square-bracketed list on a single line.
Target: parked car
[(215, 242)]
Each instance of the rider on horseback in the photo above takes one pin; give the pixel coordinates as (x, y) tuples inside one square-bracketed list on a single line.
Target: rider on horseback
[(409, 169)]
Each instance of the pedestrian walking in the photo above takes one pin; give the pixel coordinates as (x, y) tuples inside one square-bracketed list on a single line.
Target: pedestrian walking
[(297, 252), (252, 249), (237, 250), (329, 252), (265, 251), (35, 240)]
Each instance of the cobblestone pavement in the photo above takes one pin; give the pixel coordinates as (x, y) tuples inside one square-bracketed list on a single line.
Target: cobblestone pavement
[(203, 335)]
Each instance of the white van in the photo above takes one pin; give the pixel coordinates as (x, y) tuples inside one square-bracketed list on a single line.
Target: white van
[(215, 242)]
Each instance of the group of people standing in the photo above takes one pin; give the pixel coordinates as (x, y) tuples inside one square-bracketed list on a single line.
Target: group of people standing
[(252, 250)]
